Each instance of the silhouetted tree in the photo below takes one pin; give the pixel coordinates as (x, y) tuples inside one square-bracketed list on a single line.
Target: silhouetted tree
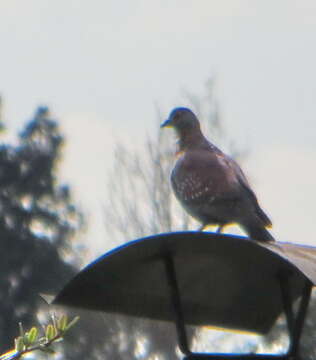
[(37, 221)]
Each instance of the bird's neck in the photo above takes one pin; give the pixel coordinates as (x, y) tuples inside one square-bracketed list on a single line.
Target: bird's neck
[(192, 139)]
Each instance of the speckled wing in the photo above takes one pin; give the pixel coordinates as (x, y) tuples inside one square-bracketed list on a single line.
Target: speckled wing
[(246, 187), (203, 176)]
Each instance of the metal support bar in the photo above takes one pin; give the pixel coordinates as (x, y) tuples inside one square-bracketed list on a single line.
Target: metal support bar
[(287, 302), (300, 318), (176, 303), (294, 322), (205, 356)]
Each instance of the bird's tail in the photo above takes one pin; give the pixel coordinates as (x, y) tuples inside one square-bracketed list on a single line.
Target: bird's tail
[(258, 233)]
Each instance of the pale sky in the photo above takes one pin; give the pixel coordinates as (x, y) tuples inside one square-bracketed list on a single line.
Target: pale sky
[(102, 65)]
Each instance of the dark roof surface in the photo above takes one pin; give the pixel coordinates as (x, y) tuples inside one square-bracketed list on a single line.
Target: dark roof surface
[(226, 281)]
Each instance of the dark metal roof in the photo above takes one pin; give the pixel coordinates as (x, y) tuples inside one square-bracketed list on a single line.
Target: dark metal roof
[(226, 281)]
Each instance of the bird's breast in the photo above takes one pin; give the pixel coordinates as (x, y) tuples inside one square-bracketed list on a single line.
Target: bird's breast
[(189, 186)]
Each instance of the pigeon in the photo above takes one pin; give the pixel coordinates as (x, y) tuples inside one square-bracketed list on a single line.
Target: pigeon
[(209, 184)]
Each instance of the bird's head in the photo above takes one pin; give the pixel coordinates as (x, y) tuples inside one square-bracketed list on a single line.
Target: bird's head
[(182, 120)]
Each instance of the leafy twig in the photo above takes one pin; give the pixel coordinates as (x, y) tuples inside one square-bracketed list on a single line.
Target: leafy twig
[(30, 341)]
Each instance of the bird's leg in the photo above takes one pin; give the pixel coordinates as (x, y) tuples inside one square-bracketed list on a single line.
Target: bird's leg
[(202, 227), (218, 231)]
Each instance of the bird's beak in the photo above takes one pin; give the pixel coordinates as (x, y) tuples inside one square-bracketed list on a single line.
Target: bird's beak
[(166, 123)]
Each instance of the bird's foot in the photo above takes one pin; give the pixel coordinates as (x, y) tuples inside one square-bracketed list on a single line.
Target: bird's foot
[(202, 227), (218, 230)]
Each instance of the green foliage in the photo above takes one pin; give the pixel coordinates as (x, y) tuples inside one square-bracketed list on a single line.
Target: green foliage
[(30, 341)]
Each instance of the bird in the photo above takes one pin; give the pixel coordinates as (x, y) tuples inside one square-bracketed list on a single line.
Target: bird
[(209, 184)]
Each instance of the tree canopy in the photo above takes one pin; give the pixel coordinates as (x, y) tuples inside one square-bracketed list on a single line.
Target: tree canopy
[(37, 223)]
